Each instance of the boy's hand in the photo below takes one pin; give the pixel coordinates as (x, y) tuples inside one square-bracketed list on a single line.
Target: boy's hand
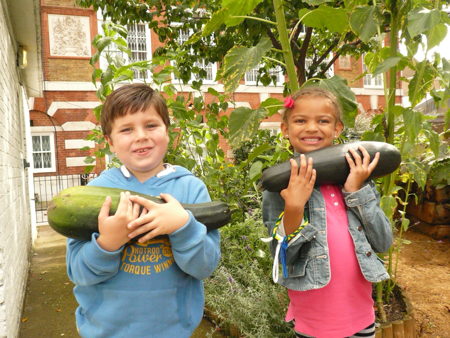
[(360, 169), (113, 229), (298, 192), (161, 219)]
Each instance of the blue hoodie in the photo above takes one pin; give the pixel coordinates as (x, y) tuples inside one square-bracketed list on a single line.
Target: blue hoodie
[(151, 289)]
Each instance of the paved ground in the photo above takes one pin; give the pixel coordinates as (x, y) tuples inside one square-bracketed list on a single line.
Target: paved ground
[(49, 303)]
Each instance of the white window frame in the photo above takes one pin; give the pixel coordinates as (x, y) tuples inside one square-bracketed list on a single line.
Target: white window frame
[(370, 81), (52, 168), (276, 69), (125, 57), (201, 64)]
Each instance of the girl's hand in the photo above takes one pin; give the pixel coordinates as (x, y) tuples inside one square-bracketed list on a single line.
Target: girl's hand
[(113, 229), (360, 169), (298, 192), (160, 219)]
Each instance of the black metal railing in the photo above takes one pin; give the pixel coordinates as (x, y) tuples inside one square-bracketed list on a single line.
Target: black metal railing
[(45, 187)]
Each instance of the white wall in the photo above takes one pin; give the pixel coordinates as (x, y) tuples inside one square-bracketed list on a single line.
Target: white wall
[(15, 224)]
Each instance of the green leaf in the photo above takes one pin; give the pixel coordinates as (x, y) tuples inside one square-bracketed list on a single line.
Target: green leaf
[(421, 20), (272, 105), (421, 83), (255, 170), (405, 224), (243, 124), (334, 19), (238, 8), (435, 143), (388, 205), (363, 22), (217, 20), (387, 64), (239, 60), (258, 151), (413, 122), (345, 95), (436, 35)]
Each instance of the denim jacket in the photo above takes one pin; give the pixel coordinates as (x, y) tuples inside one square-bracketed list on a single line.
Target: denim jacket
[(308, 265)]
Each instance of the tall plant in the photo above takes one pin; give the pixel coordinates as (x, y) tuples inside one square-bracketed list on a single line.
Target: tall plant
[(413, 23)]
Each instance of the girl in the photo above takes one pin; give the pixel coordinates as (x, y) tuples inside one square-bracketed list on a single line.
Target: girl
[(328, 235)]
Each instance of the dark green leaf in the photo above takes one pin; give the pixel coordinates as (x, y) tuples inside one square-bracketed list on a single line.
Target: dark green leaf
[(244, 122), (272, 105), (345, 95), (217, 20), (334, 19), (363, 22), (241, 59), (238, 8), (387, 64)]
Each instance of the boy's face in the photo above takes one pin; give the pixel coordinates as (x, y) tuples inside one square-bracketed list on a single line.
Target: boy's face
[(140, 141), (312, 124)]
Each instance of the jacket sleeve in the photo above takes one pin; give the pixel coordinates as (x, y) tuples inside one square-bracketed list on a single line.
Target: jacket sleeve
[(88, 264), (365, 204), (196, 250)]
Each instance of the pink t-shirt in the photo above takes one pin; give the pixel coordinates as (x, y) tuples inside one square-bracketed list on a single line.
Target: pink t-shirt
[(345, 305)]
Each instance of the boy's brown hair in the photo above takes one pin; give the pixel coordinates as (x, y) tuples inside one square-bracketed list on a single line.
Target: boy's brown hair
[(130, 99), (314, 91)]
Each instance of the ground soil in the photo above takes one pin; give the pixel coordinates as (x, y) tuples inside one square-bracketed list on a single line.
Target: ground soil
[(423, 273)]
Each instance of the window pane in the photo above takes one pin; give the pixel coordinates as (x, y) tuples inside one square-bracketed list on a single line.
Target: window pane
[(36, 143), (37, 160), (45, 143), (47, 160)]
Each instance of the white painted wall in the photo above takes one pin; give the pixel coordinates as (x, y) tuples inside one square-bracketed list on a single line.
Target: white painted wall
[(15, 218)]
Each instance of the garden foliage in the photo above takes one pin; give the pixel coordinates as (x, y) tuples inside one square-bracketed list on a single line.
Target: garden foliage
[(269, 33)]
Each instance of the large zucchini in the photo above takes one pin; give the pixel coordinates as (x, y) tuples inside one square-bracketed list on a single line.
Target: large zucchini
[(331, 165), (74, 211)]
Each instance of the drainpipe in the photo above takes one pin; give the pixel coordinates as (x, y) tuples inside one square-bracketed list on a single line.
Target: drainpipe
[(28, 164)]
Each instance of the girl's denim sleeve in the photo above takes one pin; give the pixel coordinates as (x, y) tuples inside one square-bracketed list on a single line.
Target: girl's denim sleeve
[(273, 205), (365, 204)]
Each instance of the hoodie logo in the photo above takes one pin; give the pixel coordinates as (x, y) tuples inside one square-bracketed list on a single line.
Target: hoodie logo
[(153, 256)]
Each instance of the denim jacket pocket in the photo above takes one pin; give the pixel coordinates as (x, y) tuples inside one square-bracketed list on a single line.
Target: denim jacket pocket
[(299, 268)]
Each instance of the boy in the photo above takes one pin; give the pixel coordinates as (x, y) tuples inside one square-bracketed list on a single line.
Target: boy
[(150, 287)]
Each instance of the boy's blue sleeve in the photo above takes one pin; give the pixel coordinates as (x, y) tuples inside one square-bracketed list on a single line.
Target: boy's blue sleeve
[(88, 263), (196, 250)]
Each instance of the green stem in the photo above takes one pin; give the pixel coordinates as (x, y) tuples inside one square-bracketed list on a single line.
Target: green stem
[(254, 18), (287, 51), (274, 60)]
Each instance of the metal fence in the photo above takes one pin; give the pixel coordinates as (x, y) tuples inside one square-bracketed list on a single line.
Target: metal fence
[(45, 187)]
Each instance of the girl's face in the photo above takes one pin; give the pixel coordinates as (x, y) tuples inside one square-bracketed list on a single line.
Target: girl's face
[(140, 141), (312, 124)]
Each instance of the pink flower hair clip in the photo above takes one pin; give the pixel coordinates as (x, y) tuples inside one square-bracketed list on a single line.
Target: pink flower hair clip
[(288, 102)]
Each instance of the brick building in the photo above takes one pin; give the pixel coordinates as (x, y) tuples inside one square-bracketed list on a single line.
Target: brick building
[(20, 81), (62, 117)]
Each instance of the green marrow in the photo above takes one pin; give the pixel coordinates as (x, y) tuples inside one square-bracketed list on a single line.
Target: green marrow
[(331, 165), (74, 211)]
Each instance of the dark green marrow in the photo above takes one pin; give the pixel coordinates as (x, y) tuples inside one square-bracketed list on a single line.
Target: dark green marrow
[(331, 165), (74, 211)]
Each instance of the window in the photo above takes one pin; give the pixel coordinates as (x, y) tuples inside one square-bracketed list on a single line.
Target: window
[(371, 81), (43, 152), (139, 44), (251, 77), (209, 68), (138, 41)]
